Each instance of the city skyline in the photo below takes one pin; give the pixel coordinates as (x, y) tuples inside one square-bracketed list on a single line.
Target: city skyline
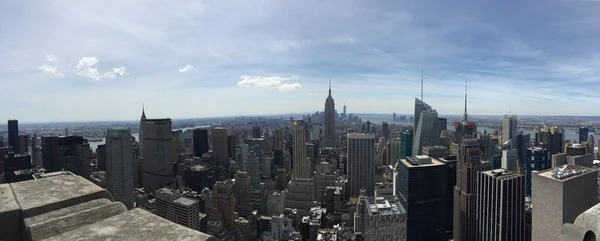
[(102, 60)]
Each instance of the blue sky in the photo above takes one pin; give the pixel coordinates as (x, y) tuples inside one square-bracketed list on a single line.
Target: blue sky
[(100, 60)]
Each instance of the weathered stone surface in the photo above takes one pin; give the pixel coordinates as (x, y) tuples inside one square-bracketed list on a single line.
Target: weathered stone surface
[(66, 211), (46, 228), (10, 214), (590, 219), (48, 194), (572, 232), (135, 224)]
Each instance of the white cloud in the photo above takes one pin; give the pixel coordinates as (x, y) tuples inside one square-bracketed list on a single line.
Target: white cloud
[(49, 66), (186, 68), (86, 68), (270, 82)]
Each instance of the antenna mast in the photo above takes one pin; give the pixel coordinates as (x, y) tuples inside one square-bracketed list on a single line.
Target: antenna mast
[(421, 84), (466, 115)]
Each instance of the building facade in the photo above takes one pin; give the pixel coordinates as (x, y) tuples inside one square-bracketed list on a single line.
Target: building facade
[(361, 163), (119, 165), (158, 153), (500, 206)]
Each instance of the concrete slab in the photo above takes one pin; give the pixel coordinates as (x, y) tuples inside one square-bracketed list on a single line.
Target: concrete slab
[(48, 194), (133, 225), (10, 214), (72, 221)]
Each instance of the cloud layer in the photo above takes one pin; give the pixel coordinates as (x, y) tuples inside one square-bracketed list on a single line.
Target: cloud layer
[(542, 57), (270, 82)]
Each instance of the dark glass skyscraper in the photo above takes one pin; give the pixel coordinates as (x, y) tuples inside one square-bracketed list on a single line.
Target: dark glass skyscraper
[(200, 142), (406, 143), (422, 192), (583, 134), (65, 153), (13, 135), (537, 159)]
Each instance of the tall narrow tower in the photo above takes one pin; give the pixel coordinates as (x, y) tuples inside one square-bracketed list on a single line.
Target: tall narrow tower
[(329, 120), (141, 132)]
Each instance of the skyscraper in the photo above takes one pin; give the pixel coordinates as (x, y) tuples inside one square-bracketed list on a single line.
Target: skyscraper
[(13, 135), (201, 145), (224, 202), (509, 128), (65, 153), (500, 206), (537, 159), (329, 134), (141, 132), (119, 161), (465, 192), (385, 130), (561, 194), (551, 138), (420, 106), (583, 134), (158, 153), (361, 163), (427, 133), (406, 143), (256, 132), (422, 192), (220, 145), (302, 168)]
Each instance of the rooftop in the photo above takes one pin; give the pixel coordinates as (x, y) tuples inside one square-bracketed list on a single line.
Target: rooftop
[(380, 206), (565, 172), (68, 207), (502, 174), (421, 161)]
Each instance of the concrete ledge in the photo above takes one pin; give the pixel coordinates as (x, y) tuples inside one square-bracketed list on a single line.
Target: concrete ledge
[(71, 220), (571, 232), (10, 214), (133, 225), (48, 194), (590, 219), (66, 211)]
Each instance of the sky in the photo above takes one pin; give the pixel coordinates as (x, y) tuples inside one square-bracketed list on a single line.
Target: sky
[(102, 60)]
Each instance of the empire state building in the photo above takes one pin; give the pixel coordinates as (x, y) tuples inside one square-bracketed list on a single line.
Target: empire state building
[(329, 136)]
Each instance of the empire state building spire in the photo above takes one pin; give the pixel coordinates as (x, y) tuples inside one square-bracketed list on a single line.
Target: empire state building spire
[(329, 135), (466, 116), (329, 87)]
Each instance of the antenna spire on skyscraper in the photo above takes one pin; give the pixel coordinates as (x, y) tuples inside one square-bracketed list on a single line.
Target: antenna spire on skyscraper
[(329, 86), (466, 115), (421, 84)]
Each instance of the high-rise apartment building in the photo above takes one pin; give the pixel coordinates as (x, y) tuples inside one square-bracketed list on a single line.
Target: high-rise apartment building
[(559, 196), (101, 157), (468, 166), (509, 128), (13, 135), (329, 135), (119, 162), (521, 143), (201, 145), (23, 144), (171, 205), (421, 190), (361, 163), (158, 153), (500, 206), (220, 145)]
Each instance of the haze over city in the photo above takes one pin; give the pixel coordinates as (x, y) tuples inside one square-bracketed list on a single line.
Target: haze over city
[(101, 60)]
